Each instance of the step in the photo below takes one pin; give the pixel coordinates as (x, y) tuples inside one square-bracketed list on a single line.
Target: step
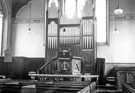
[(110, 78), (107, 87), (106, 91)]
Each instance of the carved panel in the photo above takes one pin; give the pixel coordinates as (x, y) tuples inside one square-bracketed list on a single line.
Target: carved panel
[(88, 8), (88, 62), (51, 54), (125, 77), (53, 11), (130, 77)]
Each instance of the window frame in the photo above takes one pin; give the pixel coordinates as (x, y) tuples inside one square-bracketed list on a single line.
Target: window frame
[(1, 35), (107, 42)]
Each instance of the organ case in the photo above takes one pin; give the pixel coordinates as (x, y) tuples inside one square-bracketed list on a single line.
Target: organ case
[(76, 35)]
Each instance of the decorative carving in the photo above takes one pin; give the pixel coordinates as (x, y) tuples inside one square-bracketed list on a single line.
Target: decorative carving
[(53, 11), (27, 20), (88, 62), (88, 8), (125, 77), (122, 17), (130, 77)]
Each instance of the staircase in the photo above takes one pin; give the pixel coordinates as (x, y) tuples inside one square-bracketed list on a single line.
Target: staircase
[(109, 87)]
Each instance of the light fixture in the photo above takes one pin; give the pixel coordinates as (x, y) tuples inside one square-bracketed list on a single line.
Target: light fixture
[(1, 9), (118, 10), (64, 30), (1, 14), (116, 29), (29, 16)]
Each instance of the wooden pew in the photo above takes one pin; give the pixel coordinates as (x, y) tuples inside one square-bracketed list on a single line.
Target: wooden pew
[(128, 88), (32, 86)]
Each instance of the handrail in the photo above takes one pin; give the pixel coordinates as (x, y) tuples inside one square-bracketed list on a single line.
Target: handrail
[(46, 63)]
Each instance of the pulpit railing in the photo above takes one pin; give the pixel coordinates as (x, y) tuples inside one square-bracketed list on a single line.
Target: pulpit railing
[(43, 68)]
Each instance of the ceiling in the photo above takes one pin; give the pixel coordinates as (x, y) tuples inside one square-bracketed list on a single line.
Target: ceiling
[(16, 5)]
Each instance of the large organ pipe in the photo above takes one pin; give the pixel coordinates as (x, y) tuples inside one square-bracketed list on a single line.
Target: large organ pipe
[(51, 42), (90, 27), (74, 35), (64, 37), (54, 42), (86, 27), (52, 35), (87, 43), (68, 41), (87, 34), (48, 42), (66, 34), (84, 42), (90, 42), (85, 30)]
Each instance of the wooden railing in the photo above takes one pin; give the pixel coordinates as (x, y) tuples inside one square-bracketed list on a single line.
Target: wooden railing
[(45, 66)]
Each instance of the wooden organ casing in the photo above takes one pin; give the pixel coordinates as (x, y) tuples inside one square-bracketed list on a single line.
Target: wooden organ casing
[(76, 35)]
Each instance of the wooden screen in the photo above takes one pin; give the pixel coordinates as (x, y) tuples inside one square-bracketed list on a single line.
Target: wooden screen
[(75, 34), (51, 31)]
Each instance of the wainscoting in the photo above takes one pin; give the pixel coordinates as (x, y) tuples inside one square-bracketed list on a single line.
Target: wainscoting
[(19, 67)]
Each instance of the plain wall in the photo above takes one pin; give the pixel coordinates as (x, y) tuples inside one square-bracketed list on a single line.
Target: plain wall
[(24, 42)]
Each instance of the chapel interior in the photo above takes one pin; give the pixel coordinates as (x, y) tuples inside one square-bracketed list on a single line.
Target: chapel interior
[(67, 46)]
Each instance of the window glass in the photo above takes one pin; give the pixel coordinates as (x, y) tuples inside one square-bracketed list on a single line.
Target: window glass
[(101, 14), (0, 33)]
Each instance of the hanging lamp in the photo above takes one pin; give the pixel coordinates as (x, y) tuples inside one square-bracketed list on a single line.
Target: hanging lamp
[(29, 16), (1, 14), (1, 9), (118, 10)]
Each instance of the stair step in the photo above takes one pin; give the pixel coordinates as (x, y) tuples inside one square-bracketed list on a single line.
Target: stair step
[(110, 78), (106, 87), (106, 91)]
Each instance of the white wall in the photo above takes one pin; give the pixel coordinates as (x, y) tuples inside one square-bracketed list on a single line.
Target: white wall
[(24, 42), (122, 45)]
